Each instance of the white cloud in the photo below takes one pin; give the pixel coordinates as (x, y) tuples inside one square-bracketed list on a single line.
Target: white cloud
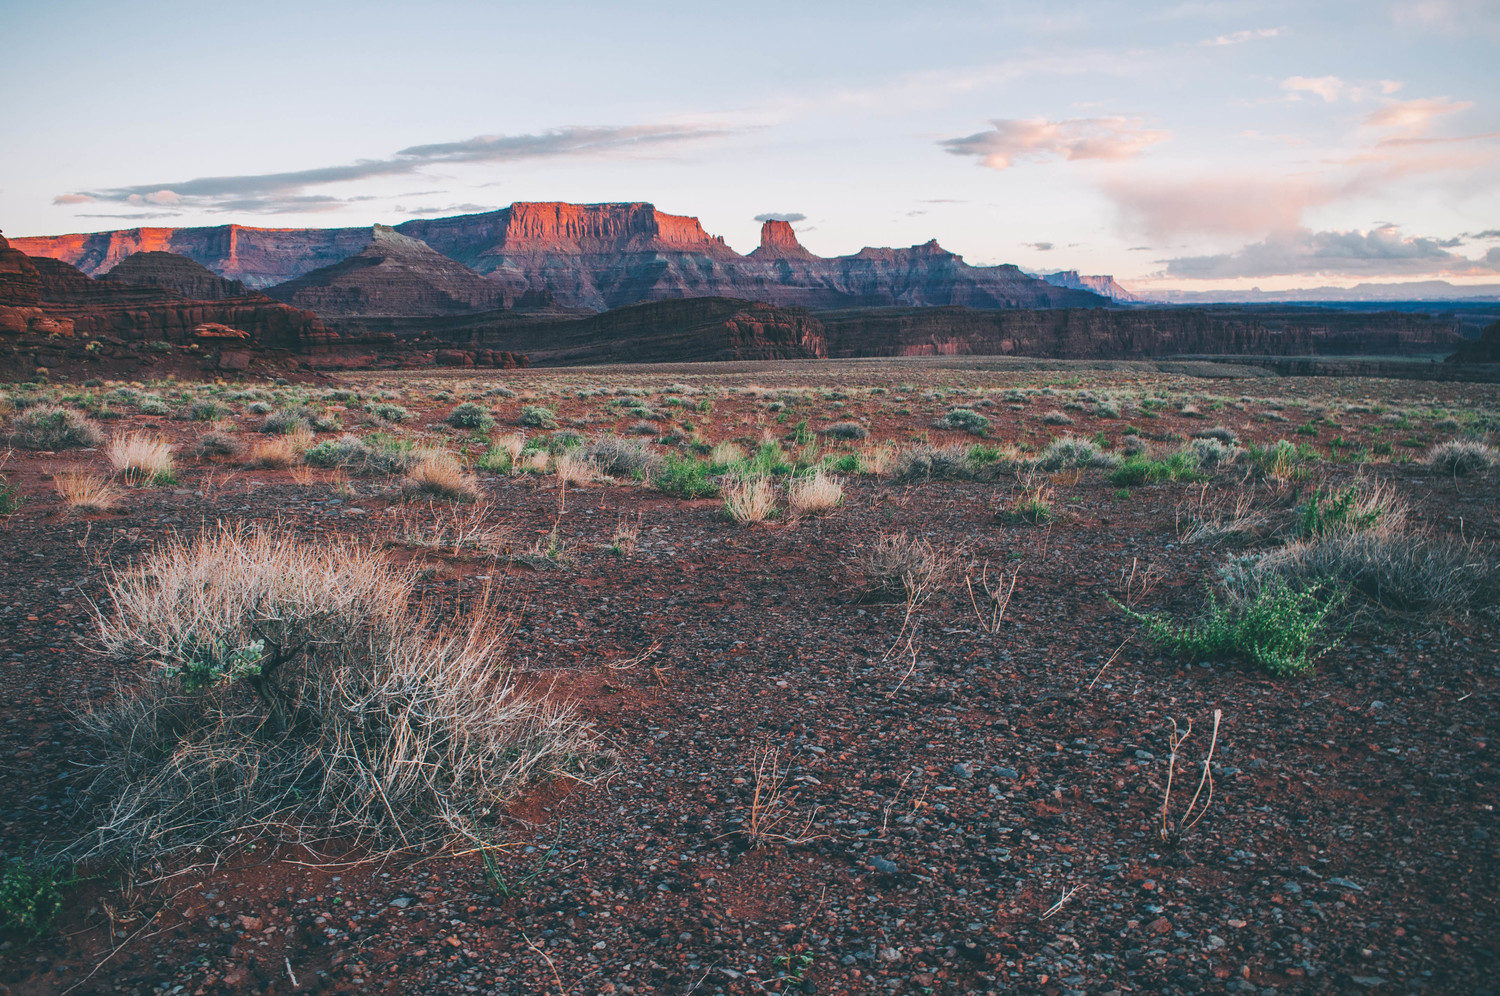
[(1327, 87), (1239, 37), (1036, 139)]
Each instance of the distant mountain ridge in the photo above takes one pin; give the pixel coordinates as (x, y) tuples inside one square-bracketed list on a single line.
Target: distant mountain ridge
[(595, 256), (1103, 284)]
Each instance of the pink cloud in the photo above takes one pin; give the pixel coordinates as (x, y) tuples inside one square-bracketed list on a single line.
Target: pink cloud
[(1168, 208), (1036, 139), (1415, 117)]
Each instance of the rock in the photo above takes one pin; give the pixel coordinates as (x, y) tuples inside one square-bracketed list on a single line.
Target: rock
[(1001, 772), (884, 866), (595, 256), (402, 902), (1104, 286), (234, 360), (251, 924), (1486, 349), (1368, 981), (175, 273), (778, 241), (1160, 925), (393, 275), (963, 769), (1344, 883)]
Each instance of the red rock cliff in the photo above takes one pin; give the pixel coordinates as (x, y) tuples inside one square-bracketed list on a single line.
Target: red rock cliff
[(778, 241)]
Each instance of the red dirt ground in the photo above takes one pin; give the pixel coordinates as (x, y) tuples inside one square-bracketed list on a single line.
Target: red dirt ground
[(1351, 841)]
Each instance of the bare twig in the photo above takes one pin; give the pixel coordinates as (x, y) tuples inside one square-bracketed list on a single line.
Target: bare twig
[(1067, 894)]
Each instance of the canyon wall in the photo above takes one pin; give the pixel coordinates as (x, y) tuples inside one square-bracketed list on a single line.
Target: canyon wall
[(595, 256)]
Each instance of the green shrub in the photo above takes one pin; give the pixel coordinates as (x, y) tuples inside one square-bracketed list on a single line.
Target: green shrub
[(388, 412), (375, 455), (31, 896), (472, 416), (683, 477), (1140, 469), (203, 410), (966, 419), (46, 427), (1278, 629), (1073, 451), (1341, 510), (1280, 460), (538, 417), (846, 430), (285, 421), (10, 497)]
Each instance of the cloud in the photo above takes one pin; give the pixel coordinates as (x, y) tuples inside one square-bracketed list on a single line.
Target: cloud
[(1488, 233), (781, 216), (1165, 208), (1037, 139), (1327, 87), (1380, 252), (450, 209), (286, 192), (1239, 37), (1332, 88), (1414, 117), (1039, 246)]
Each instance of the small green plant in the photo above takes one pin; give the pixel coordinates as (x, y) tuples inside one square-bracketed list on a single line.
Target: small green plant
[(801, 434), (31, 895), (966, 419), (795, 966), (471, 416), (1277, 629), (684, 477), (1344, 510), (1138, 470), (495, 877), (1281, 460), (538, 417)]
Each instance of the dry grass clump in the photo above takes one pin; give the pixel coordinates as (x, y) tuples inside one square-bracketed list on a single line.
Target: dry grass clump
[(86, 492), (281, 451), (897, 563), (625, 458), (925, 462), (293, 686), (47, 427), (1404, 571), (217, 443), (815, 494), (438, 474), (1210, 518), (1459, 457), (576, 469), (877, 459), (750, 499), (448, 529), (141, 458)]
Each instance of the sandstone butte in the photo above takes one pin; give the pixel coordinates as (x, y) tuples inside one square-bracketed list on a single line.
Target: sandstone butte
[(595, 256)]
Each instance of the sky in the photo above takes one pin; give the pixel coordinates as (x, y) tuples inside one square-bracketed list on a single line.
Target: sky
[(1190, 145)]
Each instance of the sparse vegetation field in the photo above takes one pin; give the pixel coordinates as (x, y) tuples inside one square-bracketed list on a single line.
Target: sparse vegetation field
[(906, 676)]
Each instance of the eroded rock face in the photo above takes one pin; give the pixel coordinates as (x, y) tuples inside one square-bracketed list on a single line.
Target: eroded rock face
[(1102, 284), (778, 241), (20, 284), (393, 275), (595, 256), (99, 308), (175, 273), (1486, 349)]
